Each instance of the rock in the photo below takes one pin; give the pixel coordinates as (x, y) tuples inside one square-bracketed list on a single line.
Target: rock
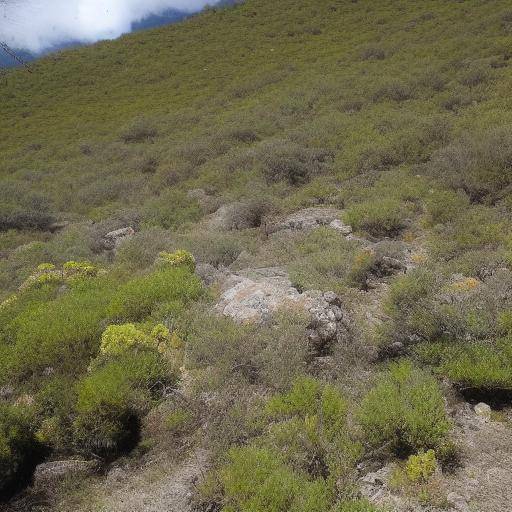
[(112, 239), (223, 219), (457, 502), (483, 411), (255, 295), (116, 474), (374, 485), (54, 471), (6, 392), (340, 226), (312, 218), (57, 226), (207, 203), (210, 274)]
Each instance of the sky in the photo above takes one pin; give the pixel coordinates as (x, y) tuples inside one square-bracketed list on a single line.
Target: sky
[(38, 25)]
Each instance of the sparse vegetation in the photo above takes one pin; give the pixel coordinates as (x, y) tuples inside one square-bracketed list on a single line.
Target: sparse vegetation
[(202, 139)]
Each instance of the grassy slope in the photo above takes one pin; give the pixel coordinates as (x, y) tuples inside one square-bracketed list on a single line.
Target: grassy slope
[(284, 64), (383, 86)]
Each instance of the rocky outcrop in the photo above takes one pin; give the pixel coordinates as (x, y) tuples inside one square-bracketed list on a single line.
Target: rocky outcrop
[(255, 295), (312, 218), (112, 239)]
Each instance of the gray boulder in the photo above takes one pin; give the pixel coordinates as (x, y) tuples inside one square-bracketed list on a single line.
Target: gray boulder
[(112, 239)]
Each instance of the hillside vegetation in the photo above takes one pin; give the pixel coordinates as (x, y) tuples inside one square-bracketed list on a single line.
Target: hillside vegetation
[(395, 113)]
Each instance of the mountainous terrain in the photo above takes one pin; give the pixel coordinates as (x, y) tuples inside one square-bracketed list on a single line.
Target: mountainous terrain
[(261, 260)]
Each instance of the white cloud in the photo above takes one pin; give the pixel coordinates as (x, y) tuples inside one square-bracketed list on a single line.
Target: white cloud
[(36, 25)]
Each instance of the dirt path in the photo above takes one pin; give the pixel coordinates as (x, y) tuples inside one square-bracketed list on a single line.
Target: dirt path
[(158, 488), (484, 483)]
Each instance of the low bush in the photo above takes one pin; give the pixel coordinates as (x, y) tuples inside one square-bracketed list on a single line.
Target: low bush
[(141, 130), (113, 398), (425, 305), (379, 217), (290, 162), (258, 479), (179, 258), (140, 296), (478, 164), (405, 411), (62, 333), (444, 206), (485, 366), (171, 209), (18, 448), (227, 353), (420, 467), (394, 91)]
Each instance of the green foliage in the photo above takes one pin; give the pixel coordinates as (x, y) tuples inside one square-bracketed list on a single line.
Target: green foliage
[(140, 296), (178, 258), (380, 217), (114, 396), (355, 506), (257, 479), (288, 161), (477, 365), (62, 333), (422, 466), (116, 339), (478, 164), (18, 447), (405, 410)]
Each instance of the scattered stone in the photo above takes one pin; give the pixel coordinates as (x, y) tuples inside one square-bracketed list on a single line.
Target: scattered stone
[(223, 219), (457, 502), (312, 218), (207, 203), (6, 392), (255, 295), (112, 239), (57, 226), (54, 471), (210, 274), (340, 226), (483, 411)]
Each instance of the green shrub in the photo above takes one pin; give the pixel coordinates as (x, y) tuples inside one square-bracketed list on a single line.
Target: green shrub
[(477, 365), (378, 217), (116, 339), (405, 410), (290, 162), (179, 258), (443, 206), (171, 209), (62, 333), (112, 399), (355, 506), (478, 164), (258, 479), (311, 431), (18, 446), (422, 466), (140, 296)]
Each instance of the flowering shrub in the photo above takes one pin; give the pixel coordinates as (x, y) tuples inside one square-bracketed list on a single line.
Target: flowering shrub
[(179, 258), (79, 269), (422, 466), (116, 339)]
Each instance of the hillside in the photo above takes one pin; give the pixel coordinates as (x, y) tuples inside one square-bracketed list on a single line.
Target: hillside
[(261, 260)]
